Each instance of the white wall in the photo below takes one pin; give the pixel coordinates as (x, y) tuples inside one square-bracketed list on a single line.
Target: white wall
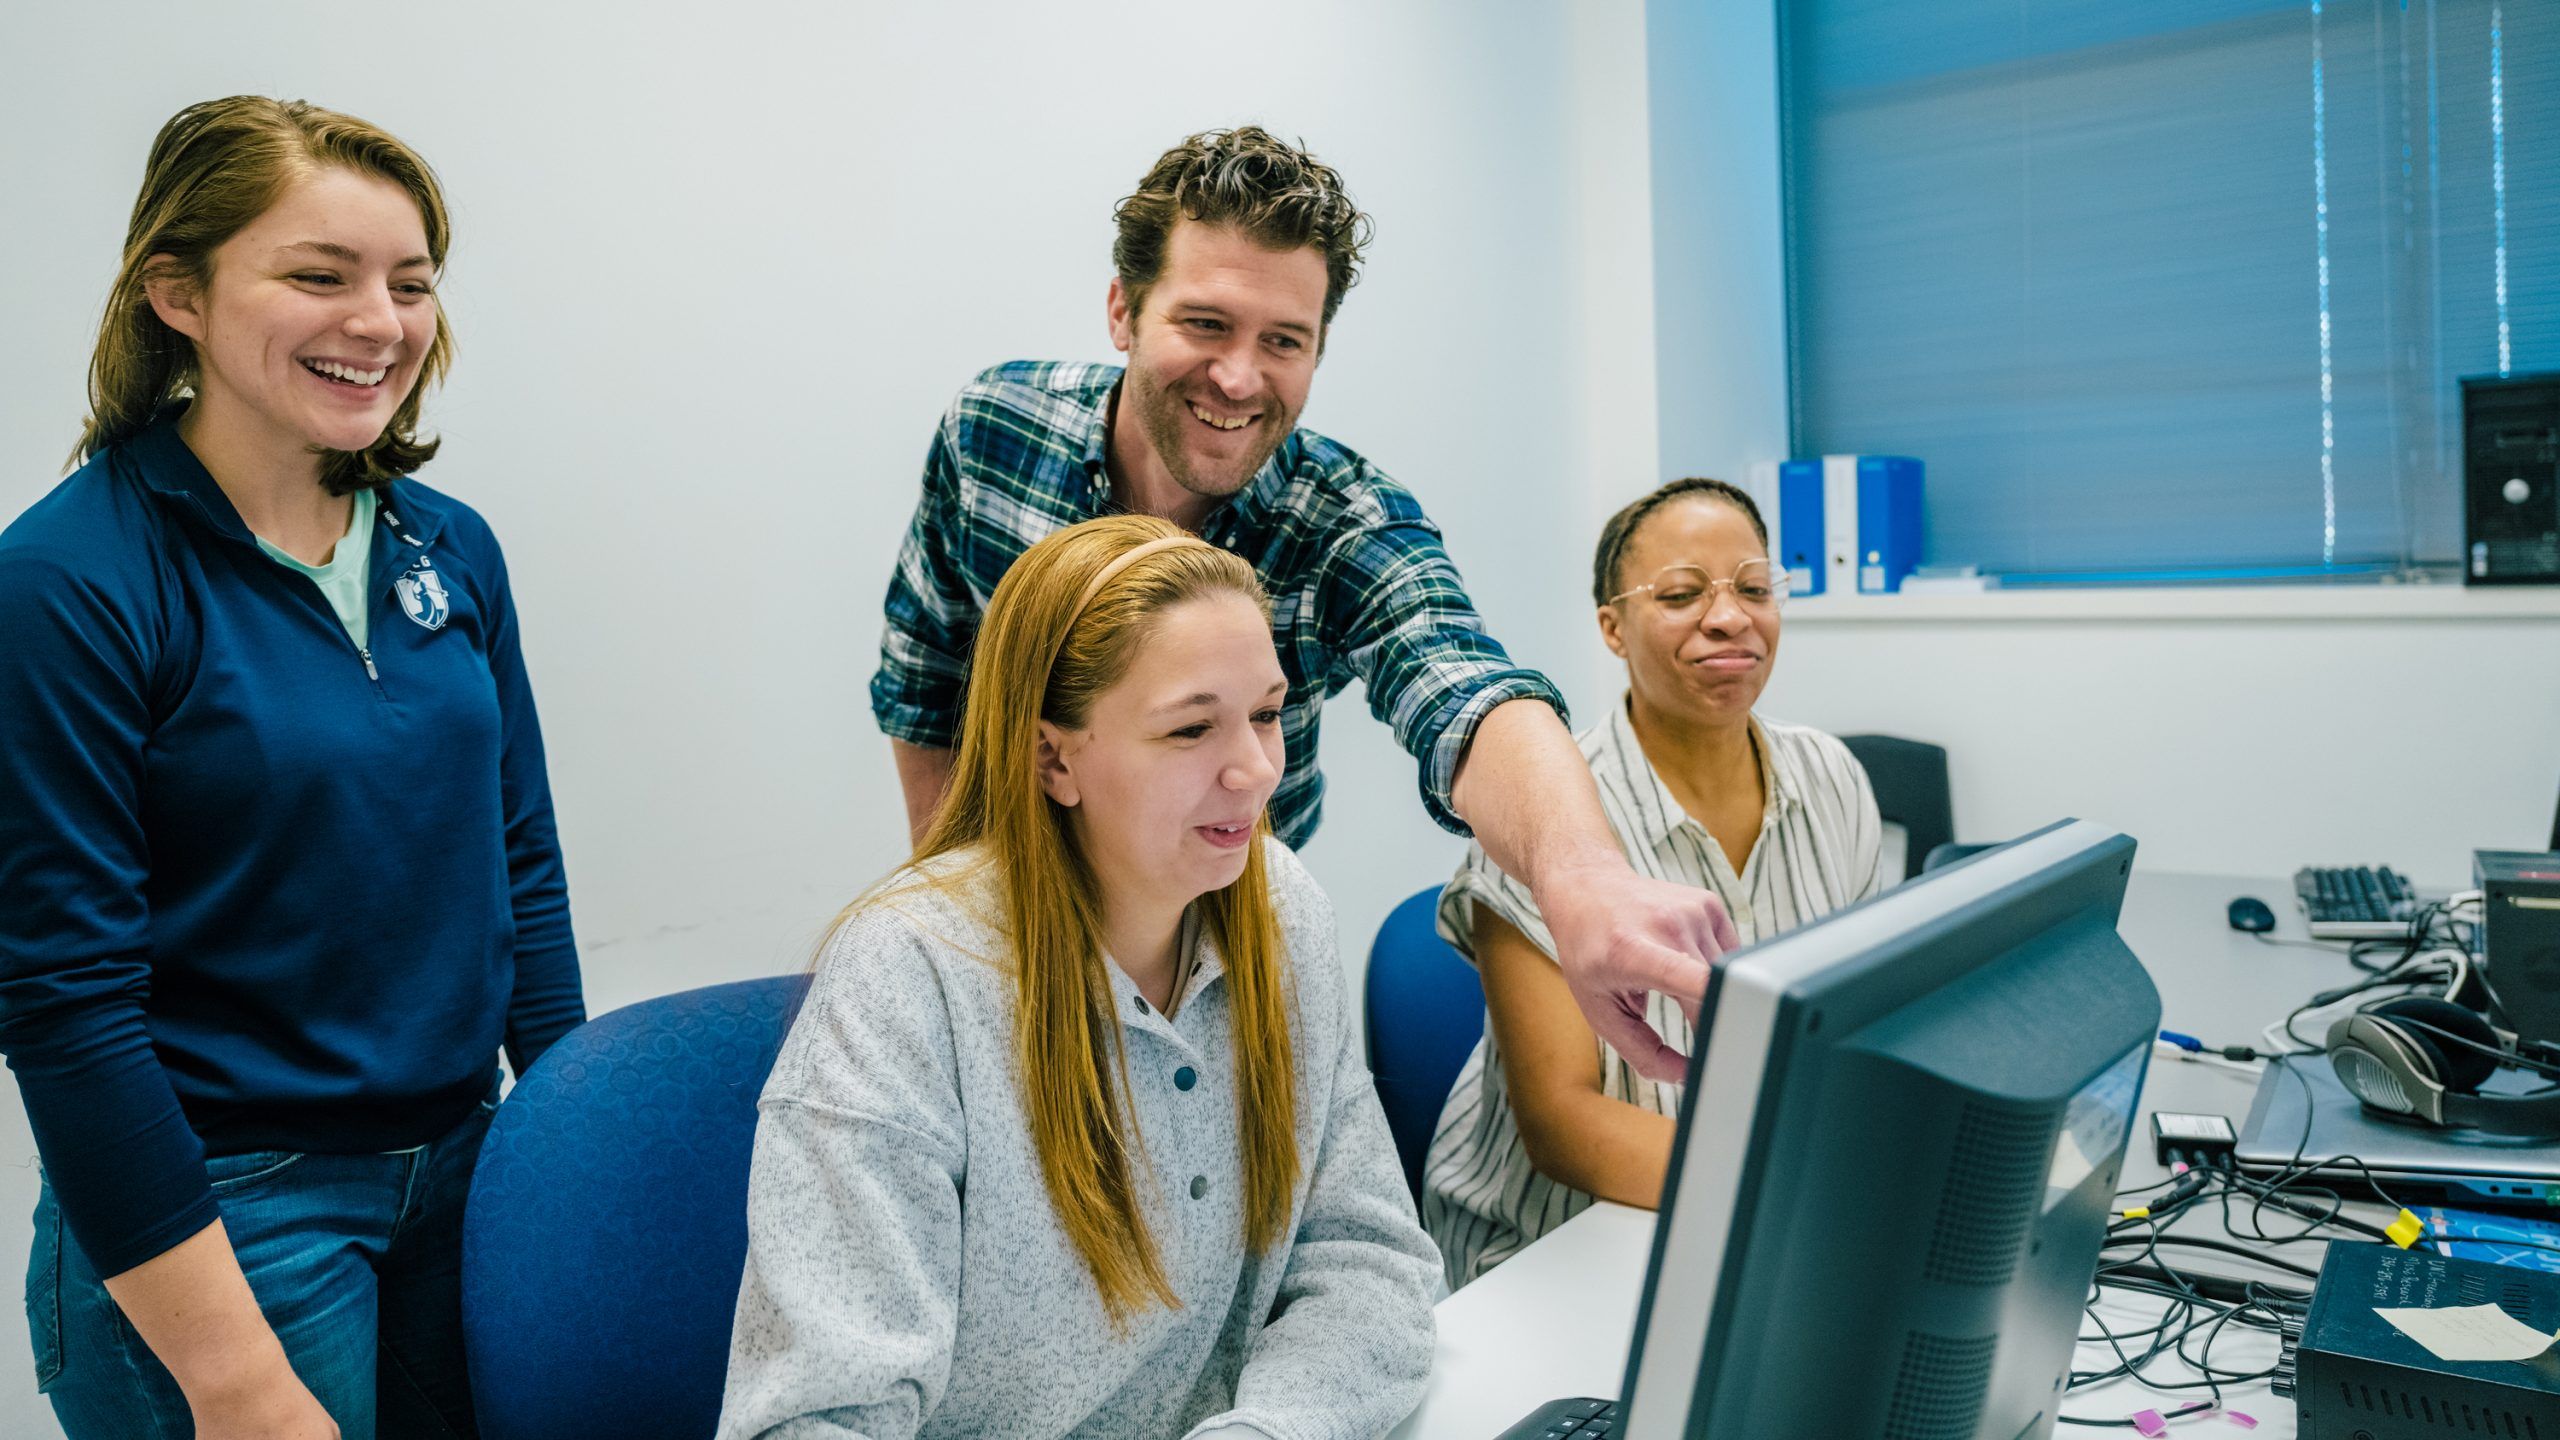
[(2240, 746), (718, 269)]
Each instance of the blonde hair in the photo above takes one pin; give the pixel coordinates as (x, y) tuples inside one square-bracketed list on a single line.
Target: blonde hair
[(1062, 628), (215, 167)]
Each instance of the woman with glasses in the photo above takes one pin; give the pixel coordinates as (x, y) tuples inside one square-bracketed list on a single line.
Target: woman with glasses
[(1778, 820)]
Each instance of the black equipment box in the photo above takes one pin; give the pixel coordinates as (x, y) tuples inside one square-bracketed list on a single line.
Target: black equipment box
[(2351, 1376), (2511, 480), (2520, 935)]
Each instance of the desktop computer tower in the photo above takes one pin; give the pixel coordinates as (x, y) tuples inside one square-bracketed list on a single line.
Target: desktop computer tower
[(2520, 935), (2511, 480)]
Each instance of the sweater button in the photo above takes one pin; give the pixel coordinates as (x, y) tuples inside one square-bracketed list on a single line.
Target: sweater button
[(1199, 1186), (1141, 1002), (1185, 1078)]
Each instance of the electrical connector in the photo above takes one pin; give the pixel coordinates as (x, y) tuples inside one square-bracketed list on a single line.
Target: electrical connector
[(2201, 1141)]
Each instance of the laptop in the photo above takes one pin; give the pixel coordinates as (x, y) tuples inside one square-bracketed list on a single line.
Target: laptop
[(2412, 1161)]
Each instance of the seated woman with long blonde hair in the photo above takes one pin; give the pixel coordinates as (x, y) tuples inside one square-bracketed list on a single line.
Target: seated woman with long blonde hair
[(1073, 1136)]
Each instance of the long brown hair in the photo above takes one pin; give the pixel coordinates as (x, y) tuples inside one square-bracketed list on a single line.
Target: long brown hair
[(215, 167), (1041, 657)]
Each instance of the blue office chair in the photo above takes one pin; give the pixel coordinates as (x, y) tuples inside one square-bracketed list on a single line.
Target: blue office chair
[(607, 1225), (1426, 1013)]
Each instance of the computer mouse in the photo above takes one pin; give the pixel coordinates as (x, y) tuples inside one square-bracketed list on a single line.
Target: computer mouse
[(2251, 914)]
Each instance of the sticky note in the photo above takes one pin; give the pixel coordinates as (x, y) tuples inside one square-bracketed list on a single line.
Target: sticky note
[(2469, 1332)]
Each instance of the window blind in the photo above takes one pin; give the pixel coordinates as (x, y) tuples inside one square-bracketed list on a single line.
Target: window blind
[(2173, 288)]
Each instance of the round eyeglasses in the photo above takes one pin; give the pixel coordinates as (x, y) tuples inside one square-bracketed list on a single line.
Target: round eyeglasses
[(1683, 592)]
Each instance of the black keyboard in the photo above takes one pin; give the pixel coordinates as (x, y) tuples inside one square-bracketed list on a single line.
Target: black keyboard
[(1583, 1419), (2360, 903)]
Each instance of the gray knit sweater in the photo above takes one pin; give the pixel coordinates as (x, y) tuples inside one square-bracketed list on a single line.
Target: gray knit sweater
[(906, 1275)]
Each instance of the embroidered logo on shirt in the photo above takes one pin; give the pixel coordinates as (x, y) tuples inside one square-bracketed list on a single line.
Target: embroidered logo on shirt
[(421, 593)]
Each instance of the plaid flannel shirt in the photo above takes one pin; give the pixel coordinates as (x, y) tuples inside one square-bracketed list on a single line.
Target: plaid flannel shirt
[(1361, 586)]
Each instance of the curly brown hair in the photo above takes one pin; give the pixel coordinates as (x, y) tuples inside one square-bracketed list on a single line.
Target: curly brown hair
[(215, 167), (1247, 177)]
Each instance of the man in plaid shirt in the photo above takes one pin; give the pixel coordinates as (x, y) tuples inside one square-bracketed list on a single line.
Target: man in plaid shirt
[(1232, 258)]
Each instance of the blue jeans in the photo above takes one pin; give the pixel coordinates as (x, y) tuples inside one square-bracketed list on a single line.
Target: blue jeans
[(356, 1261)]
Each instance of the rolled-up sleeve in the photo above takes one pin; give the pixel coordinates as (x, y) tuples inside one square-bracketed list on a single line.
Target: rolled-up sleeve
[(931, 616), (1397, 611)]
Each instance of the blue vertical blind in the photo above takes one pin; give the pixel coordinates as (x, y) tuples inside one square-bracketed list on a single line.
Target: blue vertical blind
[(2169, 285)]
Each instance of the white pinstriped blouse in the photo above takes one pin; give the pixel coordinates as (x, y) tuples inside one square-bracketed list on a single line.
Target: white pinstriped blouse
[(1482, 1201)]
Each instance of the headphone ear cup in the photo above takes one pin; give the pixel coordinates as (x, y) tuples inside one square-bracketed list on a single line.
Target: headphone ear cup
[(2459, 1068), (2382, 1065)]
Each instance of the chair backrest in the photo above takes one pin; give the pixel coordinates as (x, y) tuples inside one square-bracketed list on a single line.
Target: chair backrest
[(607, 1225), (1910, 781), (1942, 856), (1425, 1015)]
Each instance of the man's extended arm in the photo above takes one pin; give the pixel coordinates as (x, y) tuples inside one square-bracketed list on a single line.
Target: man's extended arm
[(1497, 758), (1524, 789)]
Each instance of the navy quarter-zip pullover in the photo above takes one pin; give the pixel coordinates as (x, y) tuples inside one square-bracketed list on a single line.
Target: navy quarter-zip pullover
[(259, 889)]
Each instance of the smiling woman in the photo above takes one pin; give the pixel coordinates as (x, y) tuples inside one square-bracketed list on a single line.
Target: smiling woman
[(257, 1031), (258, 190)]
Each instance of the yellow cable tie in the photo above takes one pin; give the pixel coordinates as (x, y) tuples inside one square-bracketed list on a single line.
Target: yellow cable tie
[(2404, 1232)]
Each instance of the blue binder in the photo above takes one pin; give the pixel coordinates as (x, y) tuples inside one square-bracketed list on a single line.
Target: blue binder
[(1800, 525), (1888, 521)]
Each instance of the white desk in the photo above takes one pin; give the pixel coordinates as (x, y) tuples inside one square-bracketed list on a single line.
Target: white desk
[(1556, 1319)]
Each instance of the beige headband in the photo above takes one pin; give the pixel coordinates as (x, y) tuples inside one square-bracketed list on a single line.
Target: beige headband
[(1094, 586)]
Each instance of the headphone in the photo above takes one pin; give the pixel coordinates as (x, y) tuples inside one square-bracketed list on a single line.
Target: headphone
[(2425, 1058)]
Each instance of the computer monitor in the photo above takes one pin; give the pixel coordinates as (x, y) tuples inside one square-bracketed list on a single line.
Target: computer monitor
[(1896, 1157)]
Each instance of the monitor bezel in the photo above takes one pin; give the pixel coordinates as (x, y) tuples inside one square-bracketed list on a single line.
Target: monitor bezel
[(1746, 1021)]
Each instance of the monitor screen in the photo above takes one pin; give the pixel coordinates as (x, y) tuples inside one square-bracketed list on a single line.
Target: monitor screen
[(1896, 1155)]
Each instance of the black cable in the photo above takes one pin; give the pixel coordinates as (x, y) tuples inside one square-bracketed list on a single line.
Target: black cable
[(2189, 1314), (2127, 1423), (2497, 1052), (2326, 947), (2200, 1311), (2415, 980), (2424, 923), (2197, 1242)]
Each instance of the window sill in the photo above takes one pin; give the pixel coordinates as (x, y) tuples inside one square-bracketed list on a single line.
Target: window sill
[(2199, 602)]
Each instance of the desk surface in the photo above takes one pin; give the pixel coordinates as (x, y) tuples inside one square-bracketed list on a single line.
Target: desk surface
[(1556, 1319)]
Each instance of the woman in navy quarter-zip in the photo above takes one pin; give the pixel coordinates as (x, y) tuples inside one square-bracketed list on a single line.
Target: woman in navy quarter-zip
[(278, 875)]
